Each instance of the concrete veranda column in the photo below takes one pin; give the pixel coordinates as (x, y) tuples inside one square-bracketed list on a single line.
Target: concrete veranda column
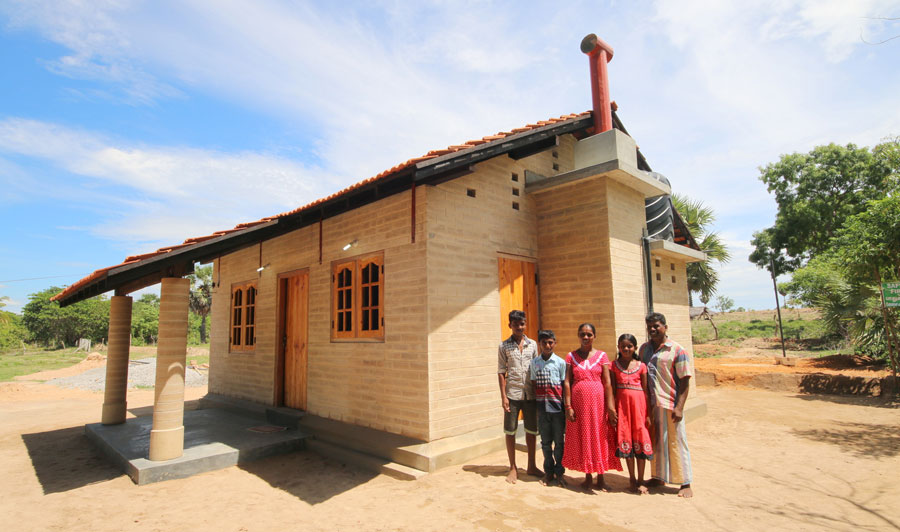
[(167, 434), (116, 388)]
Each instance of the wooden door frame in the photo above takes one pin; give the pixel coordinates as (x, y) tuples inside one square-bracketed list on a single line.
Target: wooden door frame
[(281, 300)]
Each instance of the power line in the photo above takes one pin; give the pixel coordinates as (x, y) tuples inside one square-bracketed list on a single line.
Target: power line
[(34, 278)]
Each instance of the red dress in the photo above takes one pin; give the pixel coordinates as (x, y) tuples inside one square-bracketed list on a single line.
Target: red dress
[(590, 441), (632, 435)]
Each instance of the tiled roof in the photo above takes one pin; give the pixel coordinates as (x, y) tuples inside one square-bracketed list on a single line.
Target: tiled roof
[(402, 166)]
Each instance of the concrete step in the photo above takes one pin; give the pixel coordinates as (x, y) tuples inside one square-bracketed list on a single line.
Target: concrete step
[(363, 460), (285, 417)]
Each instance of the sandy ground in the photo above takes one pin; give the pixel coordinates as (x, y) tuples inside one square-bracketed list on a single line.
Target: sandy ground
[(762, 461)]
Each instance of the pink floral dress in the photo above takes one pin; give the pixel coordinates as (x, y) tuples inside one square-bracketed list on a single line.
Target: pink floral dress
[(632, 436)]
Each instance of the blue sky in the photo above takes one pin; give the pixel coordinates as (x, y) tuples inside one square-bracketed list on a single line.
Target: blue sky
[(126, 126)]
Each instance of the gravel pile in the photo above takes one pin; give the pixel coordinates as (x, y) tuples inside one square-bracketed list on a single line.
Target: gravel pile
[(141, 373)]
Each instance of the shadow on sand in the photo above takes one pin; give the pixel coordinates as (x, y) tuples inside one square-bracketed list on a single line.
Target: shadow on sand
[(861, 439), (308, 476), (65, 459)]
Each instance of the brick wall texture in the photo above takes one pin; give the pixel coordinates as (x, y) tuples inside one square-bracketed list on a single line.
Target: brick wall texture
[(434, 374)]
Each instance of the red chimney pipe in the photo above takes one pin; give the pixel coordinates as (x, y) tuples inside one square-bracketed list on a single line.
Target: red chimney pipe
[(599, 54)]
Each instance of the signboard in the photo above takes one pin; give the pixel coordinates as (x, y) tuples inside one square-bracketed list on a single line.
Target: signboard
[(891, 294)]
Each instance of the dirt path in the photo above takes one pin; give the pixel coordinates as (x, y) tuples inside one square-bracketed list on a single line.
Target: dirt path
[(762, 461)]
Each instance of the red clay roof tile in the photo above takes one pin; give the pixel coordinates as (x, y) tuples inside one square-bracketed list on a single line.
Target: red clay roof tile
[(430, 155)]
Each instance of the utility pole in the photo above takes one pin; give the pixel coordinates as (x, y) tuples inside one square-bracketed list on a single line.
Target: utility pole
[(778, 306)]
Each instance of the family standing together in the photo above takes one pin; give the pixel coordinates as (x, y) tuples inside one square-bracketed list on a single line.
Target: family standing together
[(591, 412)]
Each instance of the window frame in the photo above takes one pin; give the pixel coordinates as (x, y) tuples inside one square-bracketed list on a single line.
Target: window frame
[(247, 311), (360, 293)]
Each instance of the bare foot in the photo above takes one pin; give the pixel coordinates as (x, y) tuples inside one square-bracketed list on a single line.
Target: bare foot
[(633, 486), (547, 480), (513, 476), (586, 485), (561, 482), (535, 472), (686, 491), (642, 489), (601, 485)]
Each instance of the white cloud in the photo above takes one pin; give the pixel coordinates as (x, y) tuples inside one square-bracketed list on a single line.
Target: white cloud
[(160, 193), (711, 91)]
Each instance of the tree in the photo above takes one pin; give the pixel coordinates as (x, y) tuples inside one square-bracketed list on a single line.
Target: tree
[(701, 277), (201, 296), (145, 319), (49, 324), (868, 247), (843, 273), (3, 314), (724, 303), (816, 193)]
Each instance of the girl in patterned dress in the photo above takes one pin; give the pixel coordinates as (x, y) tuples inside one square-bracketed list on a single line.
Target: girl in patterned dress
[(632, 434), (590, 410)]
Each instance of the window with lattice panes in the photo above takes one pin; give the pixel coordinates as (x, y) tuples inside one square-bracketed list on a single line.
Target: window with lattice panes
[(243, 317), (358, 298)]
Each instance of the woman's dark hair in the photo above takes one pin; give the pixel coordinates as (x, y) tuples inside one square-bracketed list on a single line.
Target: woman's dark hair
[(591, 325), (628, 337)]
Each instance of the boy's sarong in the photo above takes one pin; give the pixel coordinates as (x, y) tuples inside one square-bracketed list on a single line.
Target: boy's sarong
[(671, 462)]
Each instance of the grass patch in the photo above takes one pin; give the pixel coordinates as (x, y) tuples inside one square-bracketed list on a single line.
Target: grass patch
[(798, 330), (15, 363)]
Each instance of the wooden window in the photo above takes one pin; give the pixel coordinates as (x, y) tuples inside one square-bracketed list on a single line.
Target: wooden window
[(358, 298), (243, 317)]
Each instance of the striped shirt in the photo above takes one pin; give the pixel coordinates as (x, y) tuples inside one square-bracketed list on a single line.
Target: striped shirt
[(665, 367)]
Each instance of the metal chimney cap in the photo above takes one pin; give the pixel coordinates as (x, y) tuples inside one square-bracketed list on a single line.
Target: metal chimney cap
[(592, 44)]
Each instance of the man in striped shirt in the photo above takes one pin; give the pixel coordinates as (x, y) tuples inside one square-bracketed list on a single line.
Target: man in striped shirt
[(669, 371)]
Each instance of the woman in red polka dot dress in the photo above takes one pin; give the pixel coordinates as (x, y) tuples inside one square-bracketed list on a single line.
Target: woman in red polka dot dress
[(590, 411)]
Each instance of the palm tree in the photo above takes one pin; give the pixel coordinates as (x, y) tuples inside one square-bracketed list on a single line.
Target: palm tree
[(3, 317), (698, 218), (201, 296)]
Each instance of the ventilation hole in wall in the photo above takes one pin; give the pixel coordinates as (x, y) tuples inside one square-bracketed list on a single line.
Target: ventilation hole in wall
[(515, 192), (470, 192), (672, 266), (673, 278), (658, 277), (555, 167), (516, 205), (555, 154), (515, 177), (657, 263)]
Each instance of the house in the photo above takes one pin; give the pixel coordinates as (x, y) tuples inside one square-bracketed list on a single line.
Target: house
[(382, 305)]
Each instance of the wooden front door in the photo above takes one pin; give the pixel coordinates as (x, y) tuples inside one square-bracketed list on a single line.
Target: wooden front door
[(294, 311), (518, 291)]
